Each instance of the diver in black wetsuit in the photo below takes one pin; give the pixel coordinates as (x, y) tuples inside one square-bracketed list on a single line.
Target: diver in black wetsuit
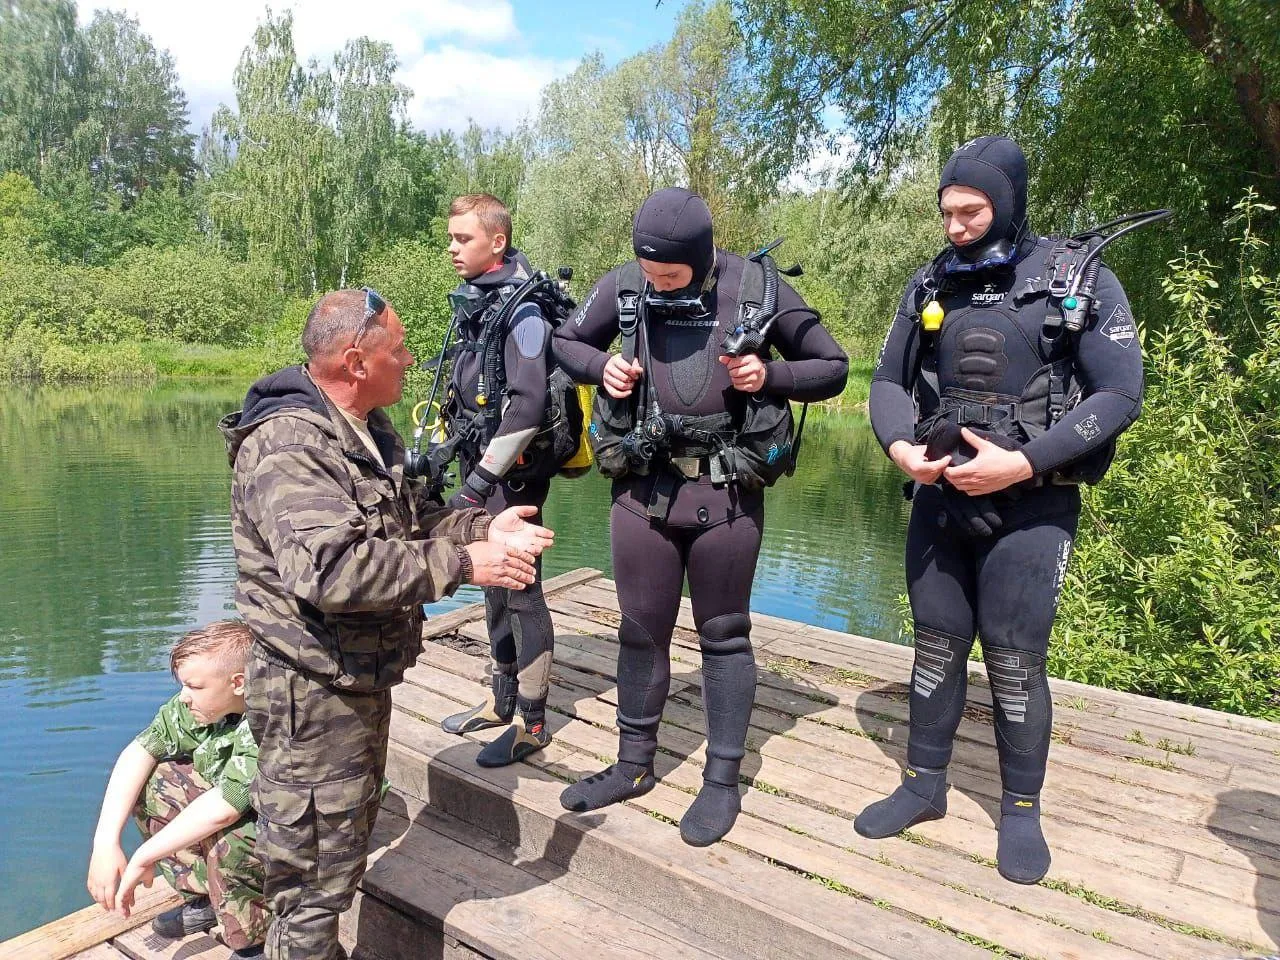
[(996, 411), (492, 465), (681, 517)]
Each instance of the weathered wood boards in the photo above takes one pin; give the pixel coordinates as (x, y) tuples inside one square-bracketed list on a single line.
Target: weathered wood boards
[(1166, 838)]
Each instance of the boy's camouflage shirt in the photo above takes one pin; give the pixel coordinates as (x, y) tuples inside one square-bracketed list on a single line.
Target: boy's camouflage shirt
[(224, 753)]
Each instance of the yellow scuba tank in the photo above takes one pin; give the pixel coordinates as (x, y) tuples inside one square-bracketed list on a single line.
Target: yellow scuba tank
[(582, 459)]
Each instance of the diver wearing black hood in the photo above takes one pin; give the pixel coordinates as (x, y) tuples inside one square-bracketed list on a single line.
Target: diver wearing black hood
[(705, 529), (996, 421)]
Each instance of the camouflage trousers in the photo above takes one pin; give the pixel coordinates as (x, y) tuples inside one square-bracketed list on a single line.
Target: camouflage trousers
[(321, 756), (223, 866)]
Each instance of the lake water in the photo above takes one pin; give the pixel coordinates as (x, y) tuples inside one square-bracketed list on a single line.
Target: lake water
[(115, 540)]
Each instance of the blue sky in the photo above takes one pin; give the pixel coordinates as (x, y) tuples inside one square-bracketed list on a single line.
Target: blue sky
[(481, 59)]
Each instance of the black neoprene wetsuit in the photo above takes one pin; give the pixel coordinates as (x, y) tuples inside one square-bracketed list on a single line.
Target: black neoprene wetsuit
[(521, 635), (1004, 586), (711, 533)]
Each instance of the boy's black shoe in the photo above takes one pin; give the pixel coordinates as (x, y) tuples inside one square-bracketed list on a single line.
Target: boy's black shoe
[(194, 916), (249, 953)]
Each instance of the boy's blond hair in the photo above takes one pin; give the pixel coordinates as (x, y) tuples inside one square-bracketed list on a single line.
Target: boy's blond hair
[(228, 640), (489, 210)]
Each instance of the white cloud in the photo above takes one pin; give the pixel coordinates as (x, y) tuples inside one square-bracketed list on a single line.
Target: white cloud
[(206, 48), (452, 84)]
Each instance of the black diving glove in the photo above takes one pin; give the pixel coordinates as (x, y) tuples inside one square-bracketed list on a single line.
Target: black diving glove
[(475, 490), (975, 515)]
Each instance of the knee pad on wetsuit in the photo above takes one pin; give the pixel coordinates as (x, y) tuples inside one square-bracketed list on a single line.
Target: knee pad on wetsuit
[(640, 697), (1020, 693), (530, 598), (727, 633), (937, 677)]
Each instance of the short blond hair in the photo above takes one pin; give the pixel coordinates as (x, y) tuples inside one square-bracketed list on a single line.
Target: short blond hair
[(489, 210), (228, 640)]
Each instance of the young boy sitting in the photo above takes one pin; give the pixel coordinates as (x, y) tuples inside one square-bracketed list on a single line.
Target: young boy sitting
[(186, 780)]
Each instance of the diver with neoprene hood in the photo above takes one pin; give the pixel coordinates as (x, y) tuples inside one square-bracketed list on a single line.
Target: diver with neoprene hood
[(692, 422), (1012, 366)]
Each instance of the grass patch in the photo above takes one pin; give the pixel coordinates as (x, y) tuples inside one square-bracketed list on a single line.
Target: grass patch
[(980, 942), (852, 677), (920, 841), (1187, 749), (663, 818), (1129, 910), (1135, 736), (207, 361), (1165, 764)]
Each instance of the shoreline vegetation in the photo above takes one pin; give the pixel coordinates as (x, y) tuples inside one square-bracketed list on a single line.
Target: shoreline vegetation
[(132, 249)]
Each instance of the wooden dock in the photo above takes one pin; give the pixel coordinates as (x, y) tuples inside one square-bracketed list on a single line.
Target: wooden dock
[(1164, 821)]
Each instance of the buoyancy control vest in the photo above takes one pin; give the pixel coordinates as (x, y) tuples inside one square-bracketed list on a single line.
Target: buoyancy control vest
[(991, 367), (472, 408), (754, 444), (976, 384)]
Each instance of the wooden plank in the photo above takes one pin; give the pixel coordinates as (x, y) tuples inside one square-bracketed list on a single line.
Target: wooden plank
[(374, 930), (100, 951), (1071, 864), (141, 943), (762, 900), (1228, 882), (1080, 856), (1156, 946), (572, 578), (1099, 795), (495, 908), (895, 661), (1112, 750), (1073, 817), (1180, 791), (1126, 709), (86, 928)]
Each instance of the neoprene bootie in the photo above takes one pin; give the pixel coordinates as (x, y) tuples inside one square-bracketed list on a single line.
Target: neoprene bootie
[(497, 709), (622, 781), (527, 734), (1022, 855), (922, 796), (711, 815)]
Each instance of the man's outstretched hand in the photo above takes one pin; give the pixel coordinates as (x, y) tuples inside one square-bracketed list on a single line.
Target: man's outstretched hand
[(511, 529)]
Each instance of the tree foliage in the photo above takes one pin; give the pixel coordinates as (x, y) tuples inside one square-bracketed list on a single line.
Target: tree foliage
[(100, 102), (687, 112), (1173, 589), (1117, 107)]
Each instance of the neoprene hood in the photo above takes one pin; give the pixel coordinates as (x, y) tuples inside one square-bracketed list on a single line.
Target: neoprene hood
[(674, 226), (997, 167)]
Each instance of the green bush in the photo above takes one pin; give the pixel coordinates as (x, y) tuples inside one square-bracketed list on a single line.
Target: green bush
[(183, 293), (1173, 590), (37, 353), (190, 294), (281, 339), (416, 278)]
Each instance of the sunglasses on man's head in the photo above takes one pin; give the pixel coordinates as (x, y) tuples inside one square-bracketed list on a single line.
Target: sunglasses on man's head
[(373, 305)]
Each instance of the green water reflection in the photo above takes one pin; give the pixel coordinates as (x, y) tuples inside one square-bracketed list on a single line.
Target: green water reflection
[(115, 540)]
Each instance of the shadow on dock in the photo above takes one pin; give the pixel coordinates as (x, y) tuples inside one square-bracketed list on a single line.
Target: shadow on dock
[(1236, 819)]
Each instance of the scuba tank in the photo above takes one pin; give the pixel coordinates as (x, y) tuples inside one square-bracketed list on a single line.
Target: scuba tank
[(560, 438)]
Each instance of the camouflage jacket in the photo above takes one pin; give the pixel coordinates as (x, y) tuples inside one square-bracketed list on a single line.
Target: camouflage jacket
[(335, 552), (224, 753)]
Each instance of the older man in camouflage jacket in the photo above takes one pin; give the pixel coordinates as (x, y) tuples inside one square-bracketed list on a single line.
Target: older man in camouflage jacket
[(336, 552)]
